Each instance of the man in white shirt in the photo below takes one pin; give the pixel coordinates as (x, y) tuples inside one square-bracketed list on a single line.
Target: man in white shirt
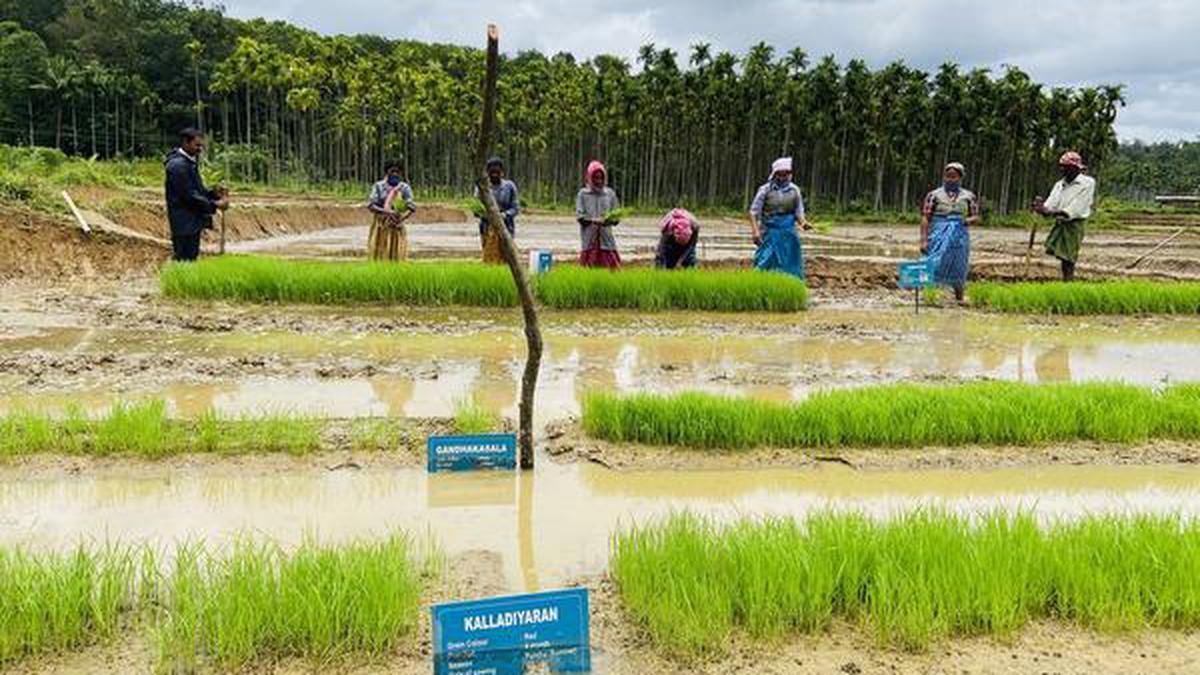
[(1070, 204)]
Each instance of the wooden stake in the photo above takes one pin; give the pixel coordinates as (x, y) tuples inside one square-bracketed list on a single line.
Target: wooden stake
[(1156, 249), (1029, 251), (221, 215), (533, 332), (83, 225)]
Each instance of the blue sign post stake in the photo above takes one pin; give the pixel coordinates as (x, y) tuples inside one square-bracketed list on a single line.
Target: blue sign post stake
[(916, 275), (472, 453), (501, 636)]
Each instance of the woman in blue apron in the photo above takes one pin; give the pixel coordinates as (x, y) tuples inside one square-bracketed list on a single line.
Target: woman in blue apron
[(777, 210), (945, 233)]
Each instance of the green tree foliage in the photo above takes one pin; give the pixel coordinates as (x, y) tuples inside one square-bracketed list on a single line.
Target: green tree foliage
[(1139, 171), (699, 129), (23, 68)]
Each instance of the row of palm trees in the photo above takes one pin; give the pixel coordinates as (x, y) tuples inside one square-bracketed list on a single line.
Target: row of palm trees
[(699, 131)]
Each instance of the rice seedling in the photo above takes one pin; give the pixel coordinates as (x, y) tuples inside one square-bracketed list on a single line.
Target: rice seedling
[(254, 279), (615, 216), (54, 602), (274, 280), (903, 416), (472, 417), (145, 430), (376, 434), (258, 603), (570, 287), (473, 207), (912, 580), (1109, 297), (251, 603)]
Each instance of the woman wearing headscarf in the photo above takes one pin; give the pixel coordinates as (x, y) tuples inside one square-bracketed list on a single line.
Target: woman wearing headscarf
[(389, 237), (593, 208), (677, 243), (945, 235), (505, 193), (775, 214)]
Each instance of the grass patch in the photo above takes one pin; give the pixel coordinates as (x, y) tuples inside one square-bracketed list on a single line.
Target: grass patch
[(274, 280), (258, 603), (55, 602), (218, 609), (1108, 297), (144, 430), (571, 287), (472, 417), (912, 580), (377, 434), (903, 416)]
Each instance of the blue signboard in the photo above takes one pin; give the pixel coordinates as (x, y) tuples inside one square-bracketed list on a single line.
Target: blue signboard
[(472, 453), (502, 636), (916, 274), (540, 262)]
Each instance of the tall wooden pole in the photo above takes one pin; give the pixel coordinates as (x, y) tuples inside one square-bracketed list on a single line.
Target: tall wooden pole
[(533, 333)]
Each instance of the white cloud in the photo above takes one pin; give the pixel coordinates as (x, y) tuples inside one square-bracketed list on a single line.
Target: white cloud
[(1149, 45)]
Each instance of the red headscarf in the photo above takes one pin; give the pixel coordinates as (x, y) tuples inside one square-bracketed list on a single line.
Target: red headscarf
[(1072, 158), (678, 224), (592, 169)]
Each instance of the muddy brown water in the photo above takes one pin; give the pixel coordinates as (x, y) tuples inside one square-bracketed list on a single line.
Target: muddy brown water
[(550, 526), (424, 374)]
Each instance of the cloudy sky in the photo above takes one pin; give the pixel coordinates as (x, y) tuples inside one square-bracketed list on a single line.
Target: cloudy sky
[(1151, 46)]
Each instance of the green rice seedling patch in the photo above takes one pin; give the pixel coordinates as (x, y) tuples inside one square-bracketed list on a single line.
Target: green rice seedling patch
[(1108, 297), (218, 609), (472, 417), (56, 602), (257, 603), (912, 580), (572, 287), (144, 429), (274, 280), (902, 416)]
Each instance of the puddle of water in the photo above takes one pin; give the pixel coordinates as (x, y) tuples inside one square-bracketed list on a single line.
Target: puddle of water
[(433, 372), (551, 526)]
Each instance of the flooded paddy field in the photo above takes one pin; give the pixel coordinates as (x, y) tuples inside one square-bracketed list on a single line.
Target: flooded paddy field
[(89, 345)]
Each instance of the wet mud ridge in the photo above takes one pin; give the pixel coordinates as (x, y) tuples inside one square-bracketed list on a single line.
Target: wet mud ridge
[(566, 443)]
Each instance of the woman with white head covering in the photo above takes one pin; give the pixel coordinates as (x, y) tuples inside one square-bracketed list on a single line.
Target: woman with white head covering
[(945, 236), (775, 214)]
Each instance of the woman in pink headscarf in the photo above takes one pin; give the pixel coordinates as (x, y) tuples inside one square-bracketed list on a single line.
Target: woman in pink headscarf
[(593, 208), (677, 245)]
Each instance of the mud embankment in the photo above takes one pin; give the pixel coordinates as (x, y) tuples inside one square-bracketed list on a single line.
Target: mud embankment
[(37, 246), (131, 237), (262, 217)]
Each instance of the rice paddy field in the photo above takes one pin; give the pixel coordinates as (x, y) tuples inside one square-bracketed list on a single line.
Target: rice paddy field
[(912, 580), (903, 416), (251, 603), (274, 280), (221, 467), (1114, 297)]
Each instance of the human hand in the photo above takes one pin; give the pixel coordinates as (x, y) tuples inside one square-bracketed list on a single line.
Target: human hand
[(804, 224), (757, 237)]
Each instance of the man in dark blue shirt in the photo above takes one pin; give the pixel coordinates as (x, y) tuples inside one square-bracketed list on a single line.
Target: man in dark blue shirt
[(190, 205)]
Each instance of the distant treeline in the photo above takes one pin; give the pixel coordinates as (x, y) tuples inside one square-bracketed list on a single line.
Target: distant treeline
[(119, 77), (1139, 172)]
